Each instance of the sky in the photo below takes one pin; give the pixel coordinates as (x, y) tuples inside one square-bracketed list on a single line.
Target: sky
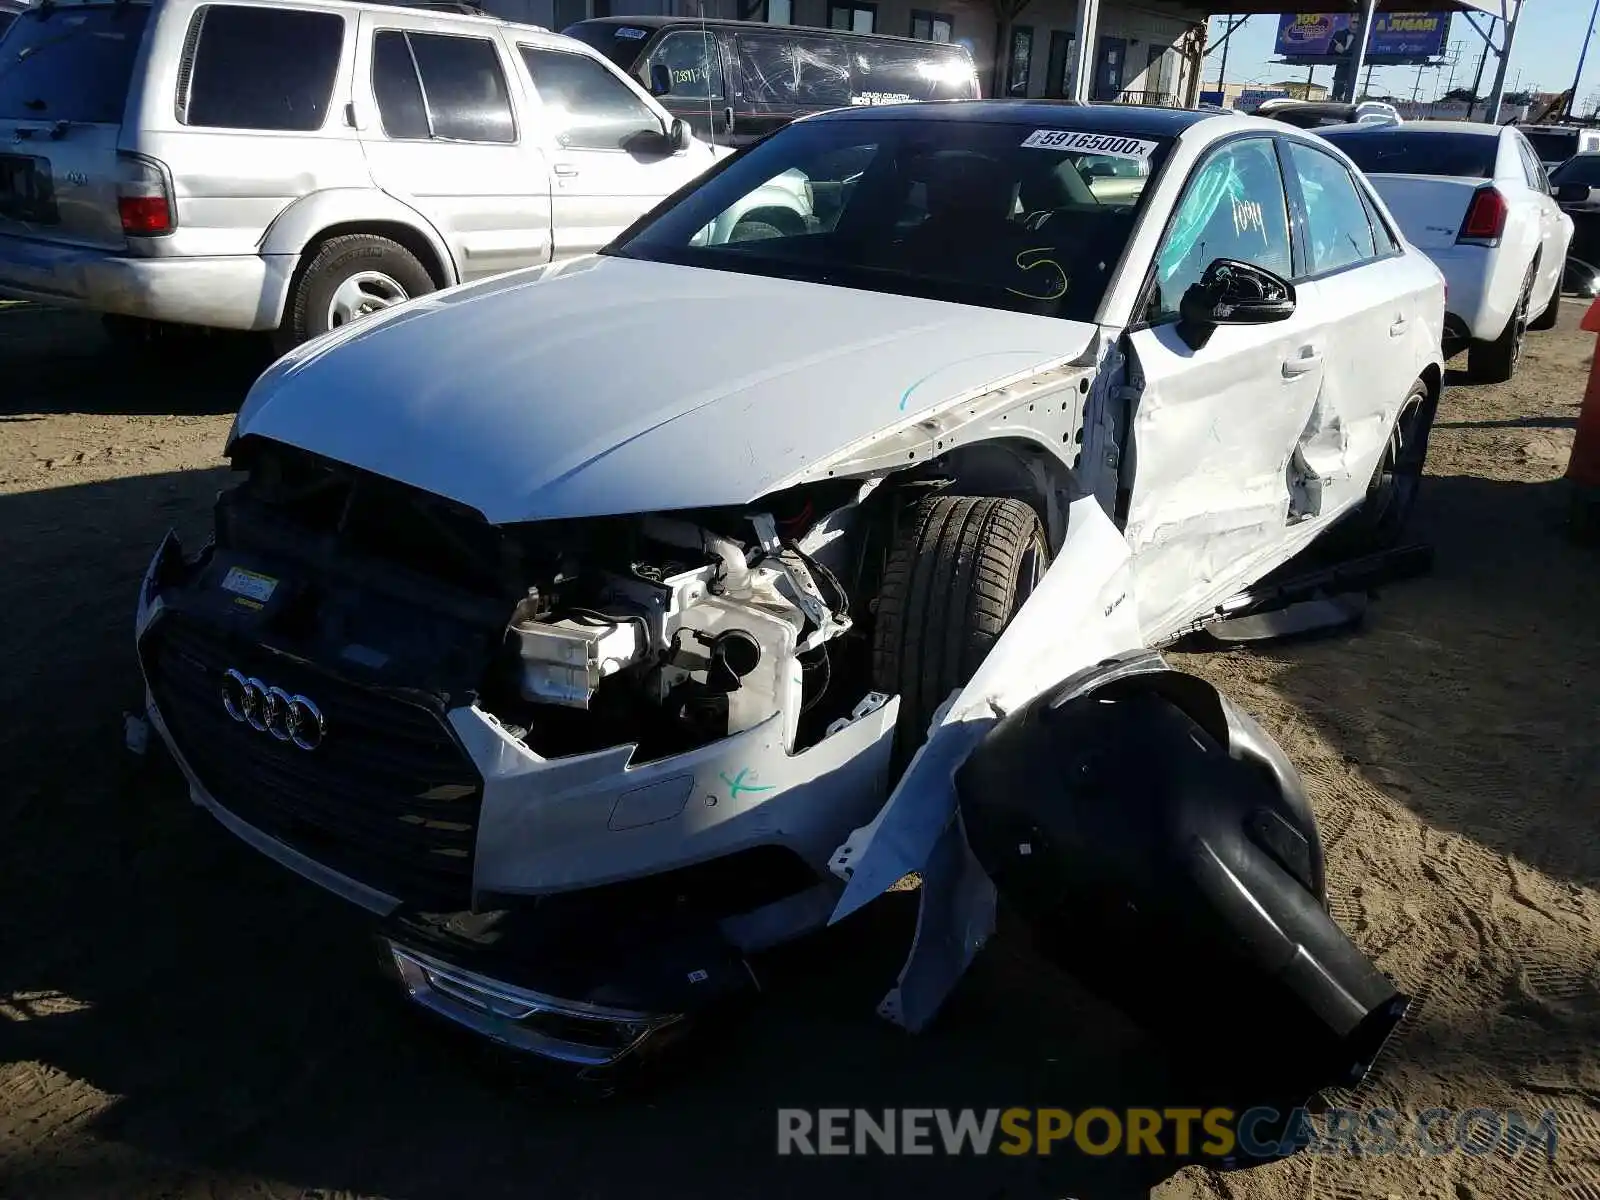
[(1543, 58)]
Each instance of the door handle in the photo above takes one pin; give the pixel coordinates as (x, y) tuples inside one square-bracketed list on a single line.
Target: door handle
[(565, 170), (1399, 327), (1306, 361)]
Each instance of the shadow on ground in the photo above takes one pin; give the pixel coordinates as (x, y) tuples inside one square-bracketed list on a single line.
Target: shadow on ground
[(53, 361)]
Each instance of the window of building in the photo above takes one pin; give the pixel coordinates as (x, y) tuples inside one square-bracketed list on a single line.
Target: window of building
[(262, 68), (780, 12), (931, 26), (857, 18)]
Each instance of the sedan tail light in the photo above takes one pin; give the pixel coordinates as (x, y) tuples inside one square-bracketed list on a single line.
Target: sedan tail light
[(144, 197), (1486, 217)]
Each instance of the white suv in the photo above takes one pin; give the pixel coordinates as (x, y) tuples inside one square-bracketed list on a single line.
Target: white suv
[(293, 166)]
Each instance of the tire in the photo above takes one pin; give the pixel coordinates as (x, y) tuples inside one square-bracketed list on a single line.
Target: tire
[(754, 231), (1547, 319), (1496, 361), (380, 272), (957, 573), (1381, 520)]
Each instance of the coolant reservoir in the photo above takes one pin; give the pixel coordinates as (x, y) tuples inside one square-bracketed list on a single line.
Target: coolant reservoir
[(775, 624)]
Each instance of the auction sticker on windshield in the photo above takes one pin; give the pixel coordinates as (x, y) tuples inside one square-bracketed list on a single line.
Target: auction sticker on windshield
[(1110, 144)]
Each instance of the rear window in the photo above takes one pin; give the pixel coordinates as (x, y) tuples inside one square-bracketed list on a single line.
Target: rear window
[(1396, 152), (261, 68), (620, 43), (70, 64)]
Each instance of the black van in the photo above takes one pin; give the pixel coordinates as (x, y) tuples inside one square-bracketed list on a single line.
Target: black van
[(734, 81)]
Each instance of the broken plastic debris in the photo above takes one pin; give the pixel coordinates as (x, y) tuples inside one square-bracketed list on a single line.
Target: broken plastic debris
[(136, 733)]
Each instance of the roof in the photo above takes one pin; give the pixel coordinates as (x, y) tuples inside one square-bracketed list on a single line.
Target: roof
[(1133, 120), (657, 22)]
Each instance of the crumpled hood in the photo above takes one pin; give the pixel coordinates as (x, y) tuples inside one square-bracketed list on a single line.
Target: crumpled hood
[(611, 385)]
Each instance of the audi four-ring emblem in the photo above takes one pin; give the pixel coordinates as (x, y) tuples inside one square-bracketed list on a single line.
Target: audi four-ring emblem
[(266, 709)]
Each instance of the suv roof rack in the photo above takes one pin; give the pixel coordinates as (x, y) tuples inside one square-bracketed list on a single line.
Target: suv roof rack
[(465, 7)]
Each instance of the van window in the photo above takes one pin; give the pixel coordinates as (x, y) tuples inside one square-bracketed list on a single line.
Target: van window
[(886, 73), (462, 95), (782, 72), (692, 59), (591, 108), (71, 64), (261, 68)]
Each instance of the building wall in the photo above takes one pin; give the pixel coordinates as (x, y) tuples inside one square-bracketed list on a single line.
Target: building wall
[(1155, 36)]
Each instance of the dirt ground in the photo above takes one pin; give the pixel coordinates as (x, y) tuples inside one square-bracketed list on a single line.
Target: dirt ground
[(180, 1018)]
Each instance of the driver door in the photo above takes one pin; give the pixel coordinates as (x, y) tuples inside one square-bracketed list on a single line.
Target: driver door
[(608, 162), (1213, 428)]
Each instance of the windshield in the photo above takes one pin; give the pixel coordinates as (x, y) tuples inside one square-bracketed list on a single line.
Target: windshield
[(1583, 169), (993, 215), (620, 43), (1553, 145), (70, 64), (1395, 152)]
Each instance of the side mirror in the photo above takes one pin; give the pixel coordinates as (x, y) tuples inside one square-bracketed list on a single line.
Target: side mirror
[(660, 79), (679, 135), (1231, 292), (1573, 193)]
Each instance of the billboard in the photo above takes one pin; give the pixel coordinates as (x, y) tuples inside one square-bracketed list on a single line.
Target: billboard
[(1395, 35)]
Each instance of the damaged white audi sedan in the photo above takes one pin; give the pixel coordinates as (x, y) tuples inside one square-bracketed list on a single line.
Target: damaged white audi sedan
[(599, 625)]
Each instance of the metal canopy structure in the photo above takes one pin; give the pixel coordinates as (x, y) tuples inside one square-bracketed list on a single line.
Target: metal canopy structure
[(1253, 8)]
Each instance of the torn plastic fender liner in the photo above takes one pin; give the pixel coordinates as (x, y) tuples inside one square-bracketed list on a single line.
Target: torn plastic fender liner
[(1083, 612), (1161, 848)]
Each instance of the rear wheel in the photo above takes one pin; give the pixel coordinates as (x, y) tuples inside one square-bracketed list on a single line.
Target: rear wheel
[(1547, 319), (958, 572), (1496, 361), (350, 277), (1392, 494)]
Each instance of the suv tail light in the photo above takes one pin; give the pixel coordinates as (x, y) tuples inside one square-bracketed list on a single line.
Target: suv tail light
[(1486, 217), (144, 197)]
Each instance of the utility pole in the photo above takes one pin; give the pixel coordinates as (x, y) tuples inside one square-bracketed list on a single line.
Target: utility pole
[(1477, 78), (1582, 54), (1497, 94), (1223, 69)]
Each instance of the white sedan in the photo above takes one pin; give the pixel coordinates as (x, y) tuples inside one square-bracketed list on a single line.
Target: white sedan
[(1476, 200), (676, 581)]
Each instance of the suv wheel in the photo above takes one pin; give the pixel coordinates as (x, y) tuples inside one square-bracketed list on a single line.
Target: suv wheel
[(350, 277)]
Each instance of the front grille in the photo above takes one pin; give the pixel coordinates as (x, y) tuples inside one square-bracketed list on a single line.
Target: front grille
[(389, 798)]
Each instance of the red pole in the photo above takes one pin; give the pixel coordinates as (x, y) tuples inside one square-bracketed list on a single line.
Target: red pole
[(1583, 469)]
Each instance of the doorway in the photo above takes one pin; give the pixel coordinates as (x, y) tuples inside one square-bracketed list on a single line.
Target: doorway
[(1109, 67)]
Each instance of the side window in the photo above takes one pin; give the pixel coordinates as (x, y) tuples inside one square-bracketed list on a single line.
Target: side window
[(468, 100), (436, 86), (261, 68), (692, 61), (590, 107), (785, 72), (1233, 207), (1532, 167), (1338, 232), (394, 83), (822, 72), (1382, 237)]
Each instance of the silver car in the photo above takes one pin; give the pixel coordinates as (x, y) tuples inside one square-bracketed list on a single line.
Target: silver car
[(293, 166)]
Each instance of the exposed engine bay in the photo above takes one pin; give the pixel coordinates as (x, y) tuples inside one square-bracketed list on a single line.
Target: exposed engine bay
[(664, 631)]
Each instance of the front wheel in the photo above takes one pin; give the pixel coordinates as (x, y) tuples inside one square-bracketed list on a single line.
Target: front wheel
[(957, 573), (350, 277)]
